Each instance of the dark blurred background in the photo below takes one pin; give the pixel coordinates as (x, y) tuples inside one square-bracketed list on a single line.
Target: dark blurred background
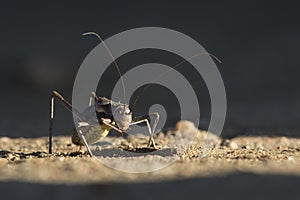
[(41, 49)]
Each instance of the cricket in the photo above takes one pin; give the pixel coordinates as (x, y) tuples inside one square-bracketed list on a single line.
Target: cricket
[(111, 115)]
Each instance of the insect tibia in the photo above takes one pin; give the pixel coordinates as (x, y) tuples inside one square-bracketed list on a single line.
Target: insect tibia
[(139, 118), (56, 94), (95, 96)]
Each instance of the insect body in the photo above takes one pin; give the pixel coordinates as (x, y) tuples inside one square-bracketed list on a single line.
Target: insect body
[(109, 115)]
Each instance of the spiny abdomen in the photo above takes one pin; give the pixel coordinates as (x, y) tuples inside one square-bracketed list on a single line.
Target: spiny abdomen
[(92, 133)]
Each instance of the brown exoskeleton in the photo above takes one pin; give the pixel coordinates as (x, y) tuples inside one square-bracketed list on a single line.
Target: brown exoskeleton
[(109, 115)]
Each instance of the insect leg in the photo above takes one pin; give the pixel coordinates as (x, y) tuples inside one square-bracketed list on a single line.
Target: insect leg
[(104, 121), (146, 119), (67, 105), (93, 96)]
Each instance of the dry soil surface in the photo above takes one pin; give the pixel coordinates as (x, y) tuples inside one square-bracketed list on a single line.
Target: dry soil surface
[(262, 162)]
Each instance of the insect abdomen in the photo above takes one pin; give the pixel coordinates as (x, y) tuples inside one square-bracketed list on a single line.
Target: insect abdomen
[(92, 133)]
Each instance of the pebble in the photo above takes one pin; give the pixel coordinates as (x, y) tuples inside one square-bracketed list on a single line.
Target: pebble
[(12, 157), (233, 145), (245, 147), (185, 125), (230, 144)]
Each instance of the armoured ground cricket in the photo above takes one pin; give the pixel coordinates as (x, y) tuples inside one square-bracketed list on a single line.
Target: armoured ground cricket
[(110, 114)]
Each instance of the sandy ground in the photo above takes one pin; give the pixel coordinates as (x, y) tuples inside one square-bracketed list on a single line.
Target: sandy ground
[(247, 167)]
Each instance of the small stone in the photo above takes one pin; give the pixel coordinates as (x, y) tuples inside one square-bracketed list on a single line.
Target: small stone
[(245, 147), (12, 157), (230, 144), (225, 143), (233, 145), (185, 125), (5, 139)]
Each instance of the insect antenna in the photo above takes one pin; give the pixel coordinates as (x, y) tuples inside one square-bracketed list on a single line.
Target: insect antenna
[(174, 67), (113, 59)]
